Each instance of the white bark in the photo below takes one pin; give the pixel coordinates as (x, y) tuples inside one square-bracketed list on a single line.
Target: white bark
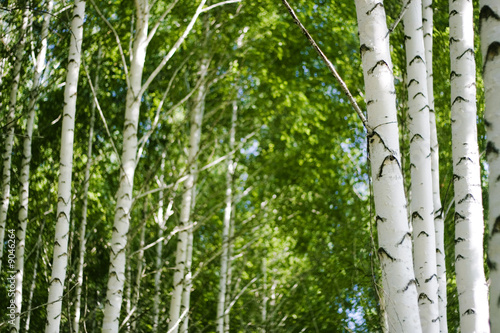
[(83, 222), (25, 165), (116, 277), (427, 17), (187, 197), (159, 247), (129, 159), (226, 225), (140, 264), (421, 203), (60, 259), (11, 122), (490, 48), (188, 278), (229, 270), (395, 248), (470, 278)]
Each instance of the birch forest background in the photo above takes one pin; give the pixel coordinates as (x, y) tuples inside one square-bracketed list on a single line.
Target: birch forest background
[(219, 166)]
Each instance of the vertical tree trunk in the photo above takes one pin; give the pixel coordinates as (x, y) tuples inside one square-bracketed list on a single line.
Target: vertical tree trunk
[(490, 48), (263, 268), (182, 244), (226, 225), (188, 282), (60, 260), (83, 222), (471, 284), (427, 17), (25, 165), (159, 247), (230, 250), (395, 248), (421, 203), (140, 264), (11, 122), (116, 277)]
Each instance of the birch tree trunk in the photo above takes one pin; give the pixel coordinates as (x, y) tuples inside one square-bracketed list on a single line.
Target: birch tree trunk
[(226, 226), (116, 277), (490, 48), (188, 281), (471, 284), (159, 247), (395, 248), (11, 122), (25, 166), (187, 197), (421, 203), (83, 223), (140, 263), (427, 17), (60, 260), (230, 250)]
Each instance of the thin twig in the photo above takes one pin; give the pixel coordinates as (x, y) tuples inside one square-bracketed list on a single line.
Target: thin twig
[(401, 14), (96, 101), (122, 54), (331, 68), (219, 4)]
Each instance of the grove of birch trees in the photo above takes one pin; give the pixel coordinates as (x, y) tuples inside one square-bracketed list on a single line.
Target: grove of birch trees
[(250, 166)]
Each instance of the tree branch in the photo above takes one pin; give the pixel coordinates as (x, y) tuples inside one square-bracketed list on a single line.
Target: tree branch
[(331, 68)]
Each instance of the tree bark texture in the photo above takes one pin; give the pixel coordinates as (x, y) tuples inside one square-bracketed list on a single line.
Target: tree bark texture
[(25, 165), (60, 259), (11, 122), (395, 246), (490, 48), (226, 226), (117, 264), (421, 203), (469, 225)]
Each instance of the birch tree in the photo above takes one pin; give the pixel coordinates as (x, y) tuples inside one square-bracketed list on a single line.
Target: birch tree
[(471, 283), (60, 255), (25, 164), (229, 273), (116, 277), (82, 240), (394, 236), (490, 49), (11, 122), (226, 226), (129, 153), (181, 257), (427, 17), (421, 203)]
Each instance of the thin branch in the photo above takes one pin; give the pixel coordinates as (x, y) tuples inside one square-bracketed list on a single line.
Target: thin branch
[(122, 54), (172, 50), (401, 14), (209, 165), (331, 68), (181, 39), (219, 4), (160, 20), (96, 101)]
